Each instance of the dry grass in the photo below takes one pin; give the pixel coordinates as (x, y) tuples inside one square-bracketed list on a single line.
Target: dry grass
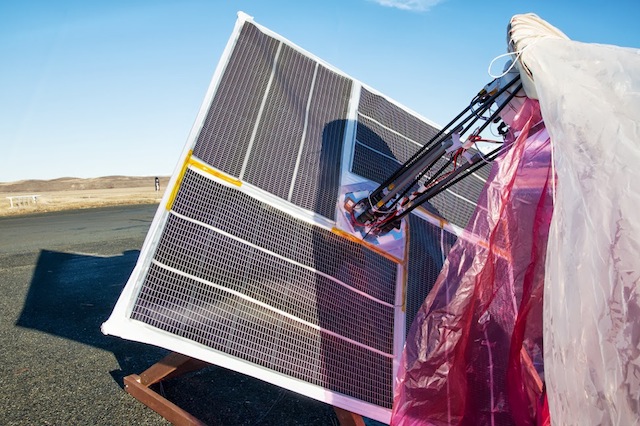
[(74, 193)]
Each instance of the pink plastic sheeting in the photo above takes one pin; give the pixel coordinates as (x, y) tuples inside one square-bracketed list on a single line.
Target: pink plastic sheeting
[(473, 355)]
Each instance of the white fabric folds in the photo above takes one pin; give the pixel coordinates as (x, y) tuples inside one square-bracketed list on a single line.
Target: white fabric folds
[(590, 101)]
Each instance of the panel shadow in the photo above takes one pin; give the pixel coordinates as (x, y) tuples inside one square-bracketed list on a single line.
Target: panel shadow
[(71, 295)]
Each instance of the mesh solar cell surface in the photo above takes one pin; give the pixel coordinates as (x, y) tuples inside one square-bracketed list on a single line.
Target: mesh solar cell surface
[(427, 243), (242, 266), (274, 102)]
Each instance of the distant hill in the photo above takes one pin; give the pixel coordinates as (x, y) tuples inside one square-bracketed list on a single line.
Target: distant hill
[(71, 183)]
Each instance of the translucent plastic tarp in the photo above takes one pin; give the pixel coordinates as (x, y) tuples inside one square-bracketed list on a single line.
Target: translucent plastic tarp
[(590, 100), (474, 352)]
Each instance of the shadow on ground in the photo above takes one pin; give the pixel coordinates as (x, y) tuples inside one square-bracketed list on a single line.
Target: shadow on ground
[(71, 295)]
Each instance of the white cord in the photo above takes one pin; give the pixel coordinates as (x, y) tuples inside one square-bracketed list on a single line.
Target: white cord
[(528, 30), (513, 63), (517, 53), (375, 209), (482, 157)]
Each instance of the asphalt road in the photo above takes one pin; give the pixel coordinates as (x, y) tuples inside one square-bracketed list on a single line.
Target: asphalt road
[(60, 276)]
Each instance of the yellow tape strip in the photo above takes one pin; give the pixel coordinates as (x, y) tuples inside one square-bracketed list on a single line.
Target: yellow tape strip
[(174, 190), (190, 161), (405, 269), (370, 246), (203, 167)]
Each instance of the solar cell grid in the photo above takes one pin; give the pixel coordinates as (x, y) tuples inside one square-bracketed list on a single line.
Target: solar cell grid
[(226, 131), (301, 292), (238, 327), (371, 165), (318, 175), (454, 206), (277, 130), (426, 245), (385, 141), (263, 225), (380, 109), (273, 155)]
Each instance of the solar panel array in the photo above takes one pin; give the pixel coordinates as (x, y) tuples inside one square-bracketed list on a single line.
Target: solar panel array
[(244, 266), (277, 121), (271, 292)]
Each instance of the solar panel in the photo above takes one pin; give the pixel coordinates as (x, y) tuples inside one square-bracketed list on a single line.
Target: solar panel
[(244, 265)]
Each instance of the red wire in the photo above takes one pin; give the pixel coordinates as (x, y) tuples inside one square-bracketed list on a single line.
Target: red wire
[(455, 166)]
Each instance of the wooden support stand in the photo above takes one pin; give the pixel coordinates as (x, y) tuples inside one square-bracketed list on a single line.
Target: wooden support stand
[(347, 418), (175, 365), (172, 365)]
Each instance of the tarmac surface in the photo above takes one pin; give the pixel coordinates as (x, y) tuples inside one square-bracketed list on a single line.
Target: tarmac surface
[(60, 276)]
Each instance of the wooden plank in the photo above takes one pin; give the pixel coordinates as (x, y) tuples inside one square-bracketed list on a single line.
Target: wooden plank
[(163, 368), (347, 418), (174, 365), (167, 409), (191, 365)]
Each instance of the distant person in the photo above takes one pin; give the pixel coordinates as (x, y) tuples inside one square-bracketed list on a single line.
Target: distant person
[(157, 184)]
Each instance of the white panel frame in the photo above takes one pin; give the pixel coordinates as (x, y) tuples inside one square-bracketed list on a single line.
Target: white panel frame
[(120, 324)]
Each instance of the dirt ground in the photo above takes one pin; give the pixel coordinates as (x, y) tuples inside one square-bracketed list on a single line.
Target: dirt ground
[(37, 196)]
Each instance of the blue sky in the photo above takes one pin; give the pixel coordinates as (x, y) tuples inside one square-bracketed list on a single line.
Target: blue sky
[(95, 88)]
